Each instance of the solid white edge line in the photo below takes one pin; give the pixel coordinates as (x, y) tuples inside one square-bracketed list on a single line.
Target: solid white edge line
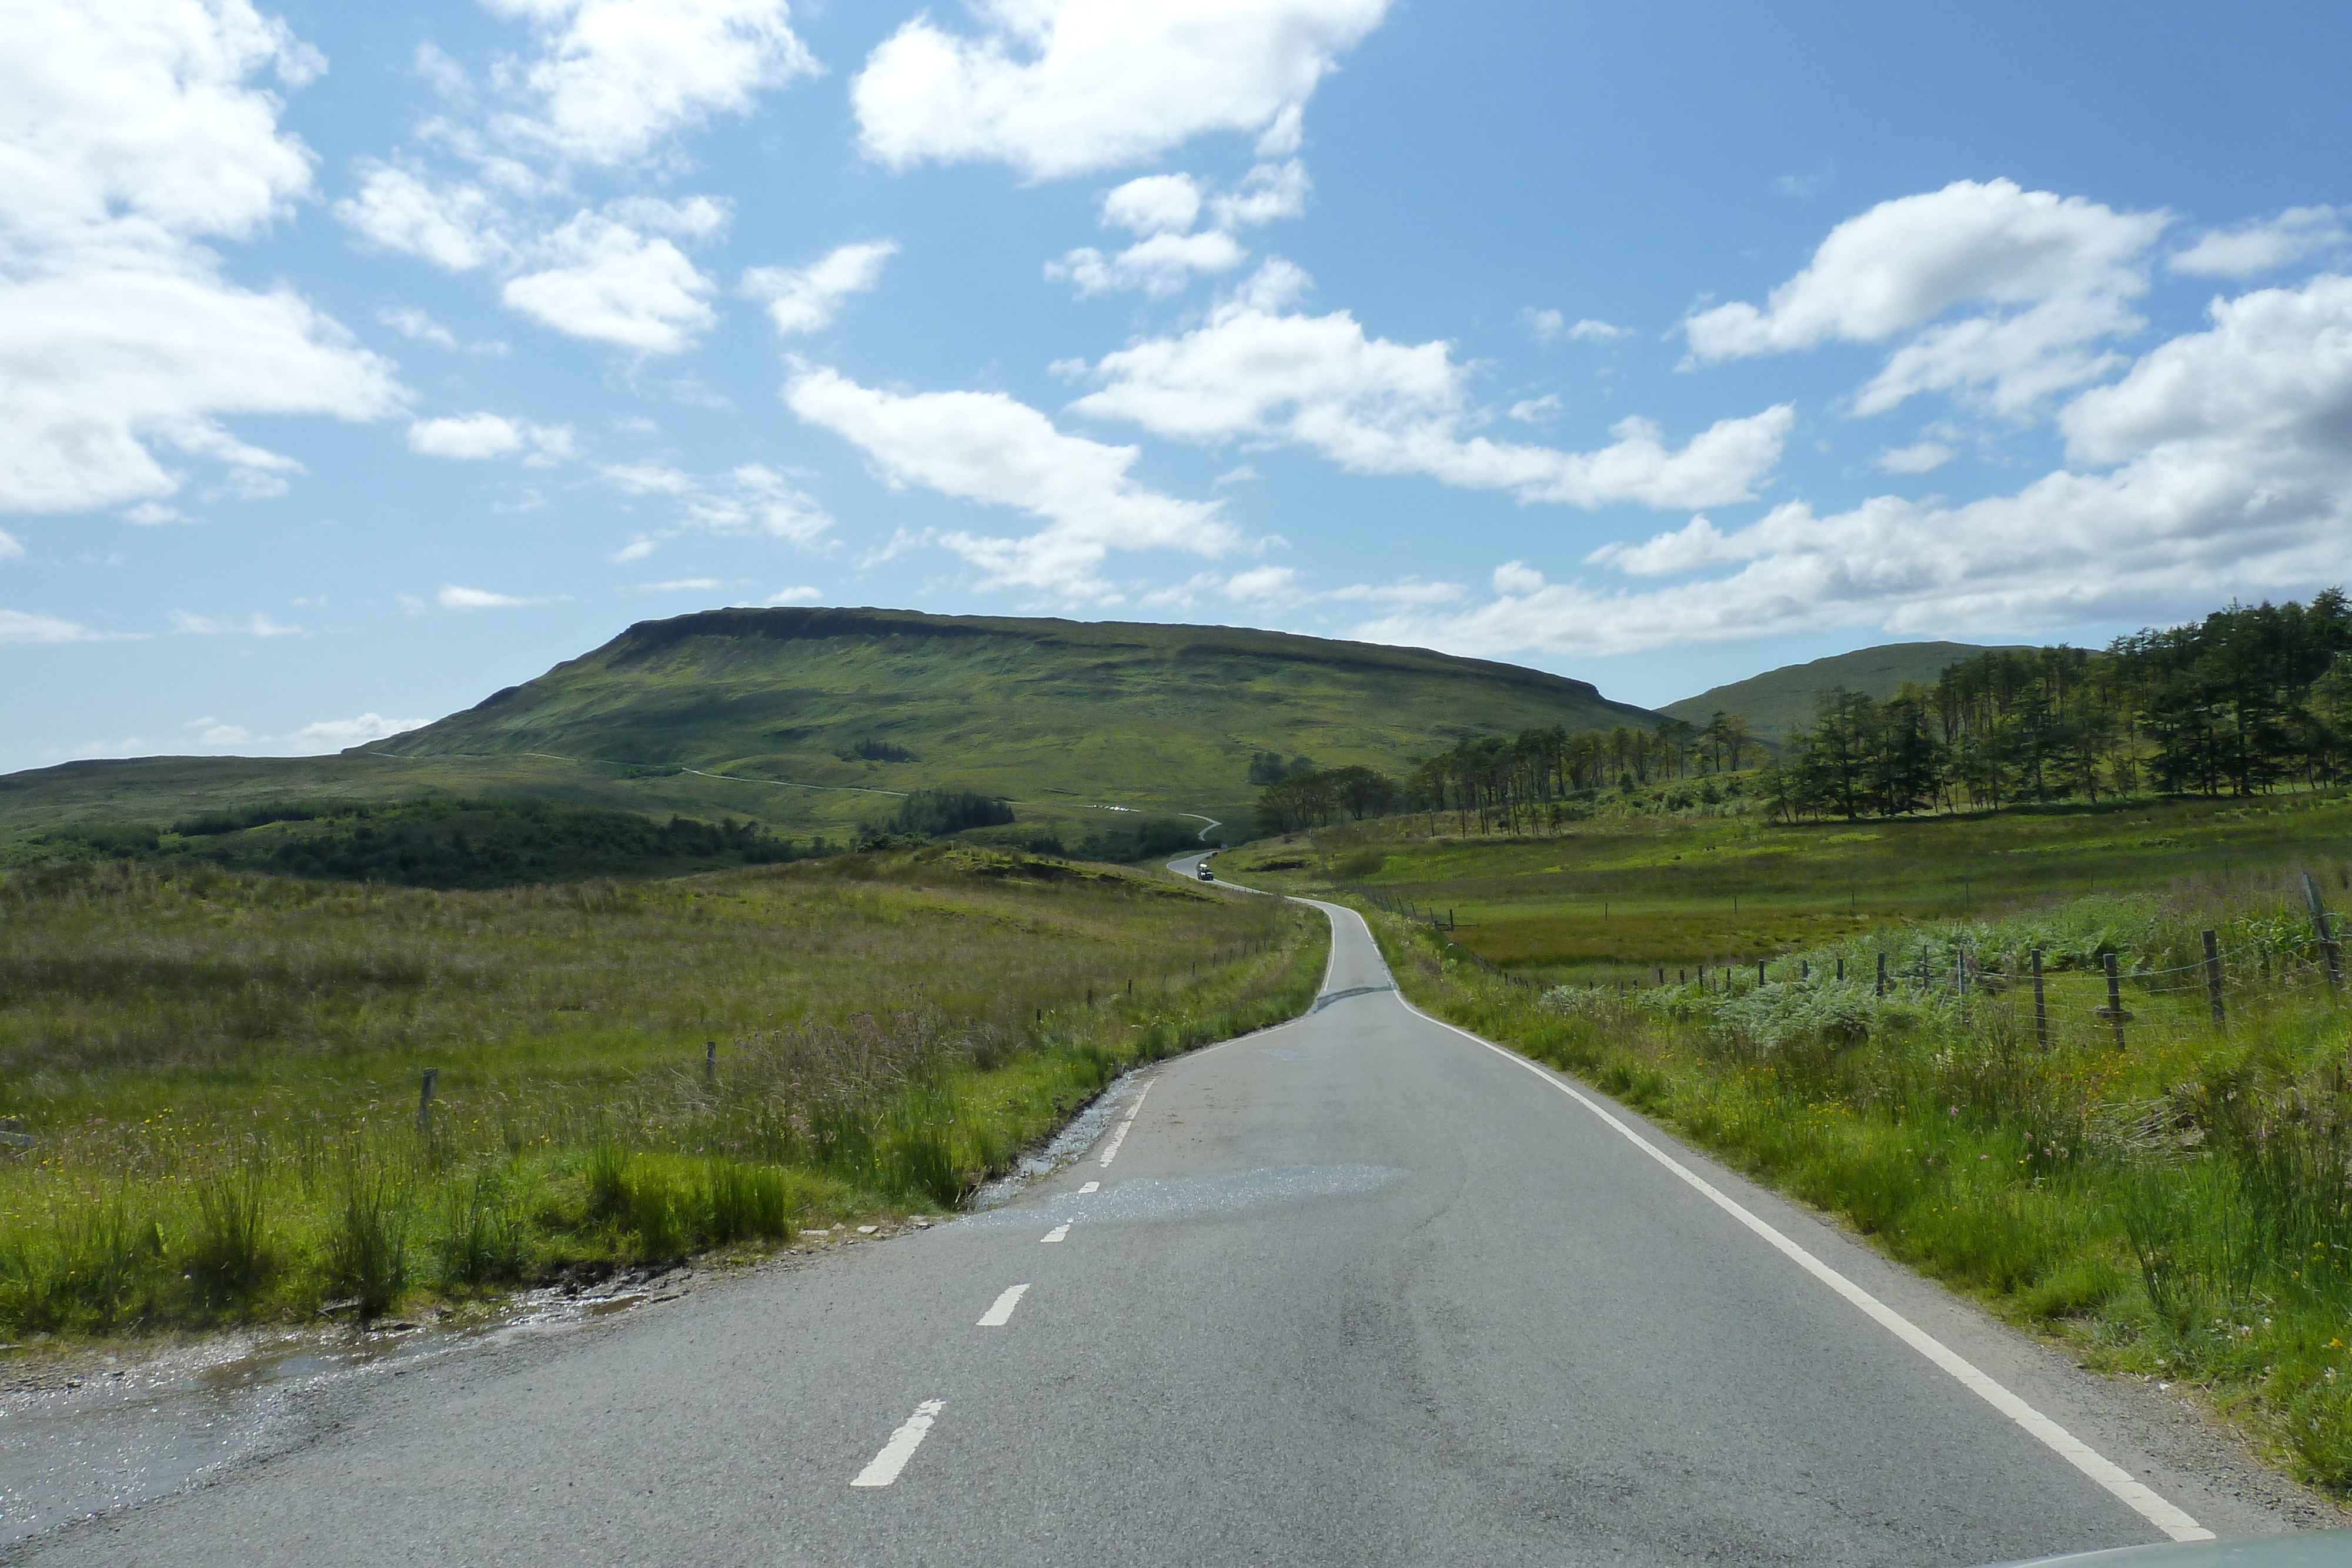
[(1110, 1151), (2117, 1480), (1055, 1235), (884, 1468), (997, 1316)]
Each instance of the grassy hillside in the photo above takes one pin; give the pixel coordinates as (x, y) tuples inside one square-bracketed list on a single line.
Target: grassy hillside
[(1775, 699), (813, 721)]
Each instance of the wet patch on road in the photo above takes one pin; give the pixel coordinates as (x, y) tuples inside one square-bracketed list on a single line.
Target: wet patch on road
[(1194, 1197)]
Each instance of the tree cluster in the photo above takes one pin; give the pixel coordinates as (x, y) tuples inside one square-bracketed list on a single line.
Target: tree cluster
[(1513, 781), (935, 813), (2241, 701)]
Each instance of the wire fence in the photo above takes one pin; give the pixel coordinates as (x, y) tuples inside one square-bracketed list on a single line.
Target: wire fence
[(2121, 997)]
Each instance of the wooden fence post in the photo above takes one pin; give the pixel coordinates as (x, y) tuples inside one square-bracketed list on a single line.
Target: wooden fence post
[(2041, 1005), (2213, 980), (424, 1100), (1759, 972), (710, 1061), (1882, 974), (2115, 1008), (2331, 951), (1841, 968)]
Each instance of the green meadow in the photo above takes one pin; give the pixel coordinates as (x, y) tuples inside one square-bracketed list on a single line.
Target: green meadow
[(215, 1079), (1615, 897)]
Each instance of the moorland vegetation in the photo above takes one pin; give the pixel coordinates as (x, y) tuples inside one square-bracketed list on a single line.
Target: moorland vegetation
[(217, 1108)]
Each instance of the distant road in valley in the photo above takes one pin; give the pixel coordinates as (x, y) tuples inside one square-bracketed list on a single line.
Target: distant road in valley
[(1357, 1290)]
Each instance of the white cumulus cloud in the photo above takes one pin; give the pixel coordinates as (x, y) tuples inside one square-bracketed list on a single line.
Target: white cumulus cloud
[(452, 597), (128, 133), (2050, 276), (1156, 203), (1162, 263), (2252, 248), (806, 298), (481, 435), (1270, 191), (255, 625), (417, 325), (1380, 407), (603, 280), (336, 734), (2222, 463), (456, 226), (1060, 87), (1919, 458), (987, 447), (26, 626), (751, 498), (616, 76)]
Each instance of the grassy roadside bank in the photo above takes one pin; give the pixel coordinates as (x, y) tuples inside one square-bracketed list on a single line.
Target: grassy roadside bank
[(2177, 1209), (211, 1079)]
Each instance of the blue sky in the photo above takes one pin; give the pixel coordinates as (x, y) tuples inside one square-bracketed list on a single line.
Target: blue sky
[(356, 361)]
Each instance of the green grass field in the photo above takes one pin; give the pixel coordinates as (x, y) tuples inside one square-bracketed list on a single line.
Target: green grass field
[(220, 1072), (1613, 898)]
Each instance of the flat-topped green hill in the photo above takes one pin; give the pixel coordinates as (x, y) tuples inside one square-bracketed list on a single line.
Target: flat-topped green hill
[(814, 719), (1044, 712)]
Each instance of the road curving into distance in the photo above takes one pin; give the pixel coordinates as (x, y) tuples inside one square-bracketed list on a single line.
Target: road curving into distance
[(1357, 1290)]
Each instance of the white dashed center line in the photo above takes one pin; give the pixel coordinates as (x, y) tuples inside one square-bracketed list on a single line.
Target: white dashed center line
[(1111, 1152), (1056, 1233), (997, 1316), (885, 1465), (1090, 1186)]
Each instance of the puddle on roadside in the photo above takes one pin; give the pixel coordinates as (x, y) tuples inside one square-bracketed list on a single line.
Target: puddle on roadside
[(1193, 1198), (1068, 1145), (103, 1433)]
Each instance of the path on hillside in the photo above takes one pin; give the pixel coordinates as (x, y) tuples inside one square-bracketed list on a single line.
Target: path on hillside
[(1357, 1290)]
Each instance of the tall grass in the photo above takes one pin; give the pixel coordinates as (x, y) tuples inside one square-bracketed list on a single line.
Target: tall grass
[(2182, 1205), (221, 1068)]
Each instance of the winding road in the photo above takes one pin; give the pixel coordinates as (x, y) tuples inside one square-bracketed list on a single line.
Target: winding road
[(1357, 1290)]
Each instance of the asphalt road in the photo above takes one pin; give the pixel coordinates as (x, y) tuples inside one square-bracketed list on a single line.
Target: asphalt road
[(1358, 1290)]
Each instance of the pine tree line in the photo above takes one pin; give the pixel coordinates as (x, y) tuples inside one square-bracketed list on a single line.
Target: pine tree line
[(2247, 700)]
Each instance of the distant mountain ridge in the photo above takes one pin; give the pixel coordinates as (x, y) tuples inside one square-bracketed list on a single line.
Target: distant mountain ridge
[(1778, 698)]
